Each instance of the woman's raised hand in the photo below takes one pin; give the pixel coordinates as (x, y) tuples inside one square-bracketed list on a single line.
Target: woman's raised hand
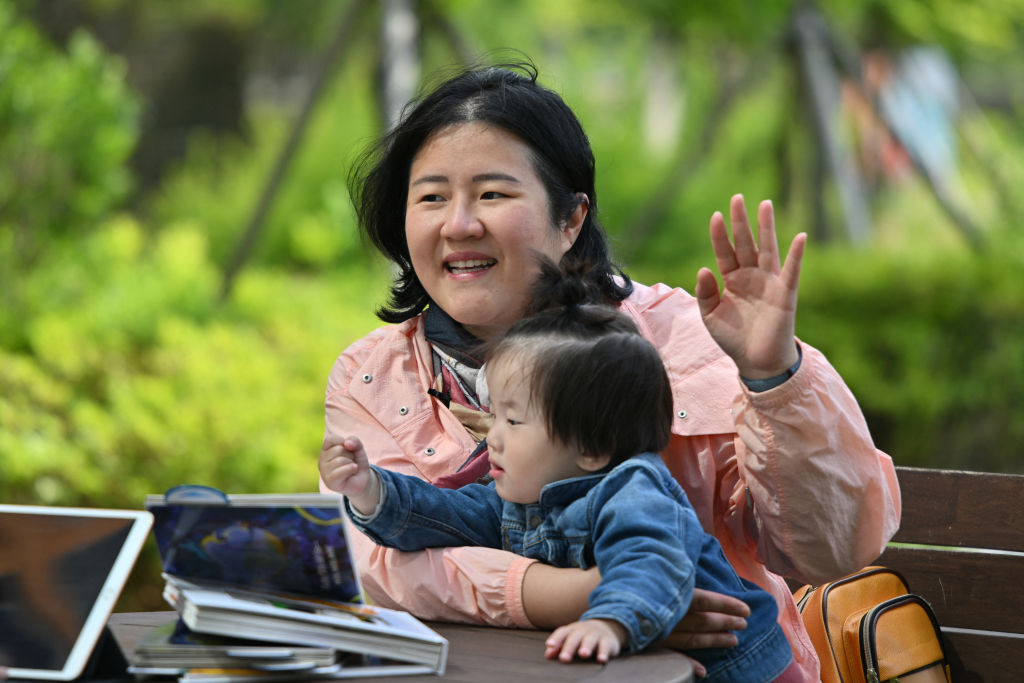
[(753, 316)]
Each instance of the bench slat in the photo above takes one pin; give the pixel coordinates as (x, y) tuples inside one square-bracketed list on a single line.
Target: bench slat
[(966, 590), (984, 659), (968, 509)]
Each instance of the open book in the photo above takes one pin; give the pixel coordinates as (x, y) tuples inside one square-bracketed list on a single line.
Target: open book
[(278, 569), (295, 543)]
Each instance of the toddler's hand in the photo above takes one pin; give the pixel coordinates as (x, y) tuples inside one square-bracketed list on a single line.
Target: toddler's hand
[(600, 637), (345, 468)]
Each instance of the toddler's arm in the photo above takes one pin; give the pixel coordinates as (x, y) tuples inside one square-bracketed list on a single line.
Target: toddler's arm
[(602, 638), (345, 468)]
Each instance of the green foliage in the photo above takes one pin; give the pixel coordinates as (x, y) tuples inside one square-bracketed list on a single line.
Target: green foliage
[(311, 224), (121, 377), (67, 124), (931, 340)]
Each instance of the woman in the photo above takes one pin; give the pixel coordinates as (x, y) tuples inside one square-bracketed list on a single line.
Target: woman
[(768, 443)]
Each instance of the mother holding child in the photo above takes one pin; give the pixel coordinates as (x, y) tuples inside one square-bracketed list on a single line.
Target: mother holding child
[(765, 439)]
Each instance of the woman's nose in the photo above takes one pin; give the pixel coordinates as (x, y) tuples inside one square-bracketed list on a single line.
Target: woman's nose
[(461, 222)]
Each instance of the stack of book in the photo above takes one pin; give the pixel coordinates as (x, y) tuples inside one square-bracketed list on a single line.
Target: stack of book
[(265, 588)]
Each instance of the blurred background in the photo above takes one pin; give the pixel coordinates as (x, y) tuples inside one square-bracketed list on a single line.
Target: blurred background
[(179, 265)]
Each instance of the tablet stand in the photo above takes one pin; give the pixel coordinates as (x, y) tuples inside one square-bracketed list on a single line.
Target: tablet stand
[(107, 662)]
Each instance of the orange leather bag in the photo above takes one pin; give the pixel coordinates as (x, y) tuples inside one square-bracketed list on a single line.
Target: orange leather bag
[(867, 627)]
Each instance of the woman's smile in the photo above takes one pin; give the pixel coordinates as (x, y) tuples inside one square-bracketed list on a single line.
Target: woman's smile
[(467, 264)]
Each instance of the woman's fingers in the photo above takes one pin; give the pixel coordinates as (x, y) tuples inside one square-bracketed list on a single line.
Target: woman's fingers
[(699, 641), (709, 622), (767, 241), (706, 291), (698, 669), (744, 250), (794, 258), (710, 601), (742, 234), (725, 256)]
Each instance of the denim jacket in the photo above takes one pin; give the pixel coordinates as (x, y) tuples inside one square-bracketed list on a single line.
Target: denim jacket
[(634, 523)]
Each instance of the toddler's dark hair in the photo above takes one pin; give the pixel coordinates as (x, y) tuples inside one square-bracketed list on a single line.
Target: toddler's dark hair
[(597, 382)]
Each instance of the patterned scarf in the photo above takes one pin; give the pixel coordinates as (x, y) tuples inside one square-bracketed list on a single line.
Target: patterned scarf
[(460, 384)]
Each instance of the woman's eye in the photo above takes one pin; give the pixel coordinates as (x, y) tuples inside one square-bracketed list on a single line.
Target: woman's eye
[(492, 194), (512, 422), (432, 198)]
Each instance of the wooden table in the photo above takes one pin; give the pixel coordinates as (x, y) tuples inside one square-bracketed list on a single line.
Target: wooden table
[(480, 654)]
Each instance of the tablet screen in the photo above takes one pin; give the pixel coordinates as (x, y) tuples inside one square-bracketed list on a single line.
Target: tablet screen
[(61, 571)]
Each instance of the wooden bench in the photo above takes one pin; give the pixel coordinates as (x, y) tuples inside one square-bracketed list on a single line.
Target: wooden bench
[(961, 547)]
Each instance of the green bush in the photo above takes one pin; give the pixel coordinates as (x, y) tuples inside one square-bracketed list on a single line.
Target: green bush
[(311, 224), (67, 124), (931, 341), (122, 377)]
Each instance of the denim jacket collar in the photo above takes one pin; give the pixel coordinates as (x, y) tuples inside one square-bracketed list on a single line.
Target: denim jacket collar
[(567, 490)]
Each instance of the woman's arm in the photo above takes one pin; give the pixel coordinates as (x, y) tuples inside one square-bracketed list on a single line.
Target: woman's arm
[(554, 596), (462, 584), (824, 500), (821, 499)]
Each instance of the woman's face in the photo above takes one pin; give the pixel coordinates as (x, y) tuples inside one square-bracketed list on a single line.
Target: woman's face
[(476, 214)]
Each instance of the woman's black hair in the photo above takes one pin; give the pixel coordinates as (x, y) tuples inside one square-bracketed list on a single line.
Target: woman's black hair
[(598, 383), (509, 97)]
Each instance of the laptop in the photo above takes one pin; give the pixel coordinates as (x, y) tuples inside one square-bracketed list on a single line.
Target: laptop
[(61, 572)]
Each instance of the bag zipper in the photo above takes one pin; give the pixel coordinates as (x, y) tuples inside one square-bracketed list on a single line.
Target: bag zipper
[(869, 655), (806, 596)]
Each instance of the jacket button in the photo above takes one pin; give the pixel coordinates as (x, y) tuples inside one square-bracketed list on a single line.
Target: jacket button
[(535, 521), (403, 411), (429, 450), (646, 627), (681, 414), (367, 378)]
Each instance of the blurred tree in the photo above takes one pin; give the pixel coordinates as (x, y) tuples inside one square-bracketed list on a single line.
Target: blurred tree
[(67, 124)]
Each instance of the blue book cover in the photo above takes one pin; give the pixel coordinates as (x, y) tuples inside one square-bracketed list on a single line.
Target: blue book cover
[(284, 543)]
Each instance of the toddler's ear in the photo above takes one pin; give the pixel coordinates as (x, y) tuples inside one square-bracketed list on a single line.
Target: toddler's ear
[(591, 462)]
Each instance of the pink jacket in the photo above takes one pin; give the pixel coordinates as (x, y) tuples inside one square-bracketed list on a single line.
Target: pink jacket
[(788, 479)]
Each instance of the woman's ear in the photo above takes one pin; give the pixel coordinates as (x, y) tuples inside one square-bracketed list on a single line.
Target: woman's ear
[(571, 226), (591, 462)]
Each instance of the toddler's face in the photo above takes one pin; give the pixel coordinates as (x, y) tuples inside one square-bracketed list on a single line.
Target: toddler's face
[(524, 458)]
